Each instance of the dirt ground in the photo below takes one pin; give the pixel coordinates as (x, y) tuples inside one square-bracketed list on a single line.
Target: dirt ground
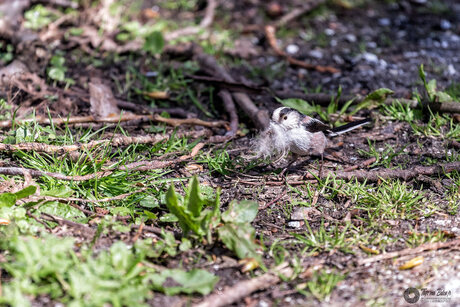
[(377, 44)]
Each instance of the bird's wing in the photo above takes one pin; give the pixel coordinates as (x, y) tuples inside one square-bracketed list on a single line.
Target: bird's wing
[(314, 125)]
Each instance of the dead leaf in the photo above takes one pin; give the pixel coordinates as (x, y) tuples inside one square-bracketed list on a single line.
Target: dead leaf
[(412, 263), (103, 102)]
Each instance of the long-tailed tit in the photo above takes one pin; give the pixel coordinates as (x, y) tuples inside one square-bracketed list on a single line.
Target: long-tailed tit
[(291, 131)]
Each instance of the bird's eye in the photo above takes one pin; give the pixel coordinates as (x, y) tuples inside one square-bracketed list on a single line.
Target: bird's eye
[(285, 117)]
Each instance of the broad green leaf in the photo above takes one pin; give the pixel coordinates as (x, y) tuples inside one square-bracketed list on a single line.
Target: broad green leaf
[(431, 88), (56, 73), (374, 99), (26, 192), (150, 215), (154, 43), (186, 221), (239, 238), (194, 281), (300, 105), (193, 199), (7, 199), (169, 218), (60, 191), (61, 209), (241, 212), (149, 202)]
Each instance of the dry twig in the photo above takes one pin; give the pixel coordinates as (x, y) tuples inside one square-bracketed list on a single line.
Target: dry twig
[(410, 251), (242, 289), (229, 106), (115, 119), (270, 33)]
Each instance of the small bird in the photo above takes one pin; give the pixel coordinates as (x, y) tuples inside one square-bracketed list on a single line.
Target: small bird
[(292, 131)]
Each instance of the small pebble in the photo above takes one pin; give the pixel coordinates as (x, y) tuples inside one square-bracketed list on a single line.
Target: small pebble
[(294, 224), (351, 38), (384, 22), (292, 49), (315, 53), (370, 57), (329, 32), (445, 24), (451, 70)]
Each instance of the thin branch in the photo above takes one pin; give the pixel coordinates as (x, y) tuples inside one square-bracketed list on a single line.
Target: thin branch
[(242, 289), (270, 33), (229, 106), (410, 251), (114, 119)]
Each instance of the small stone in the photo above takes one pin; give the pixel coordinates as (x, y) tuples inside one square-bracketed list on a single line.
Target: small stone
[(445, 24), (351, 38), (371, 45), (451, 70), (384, 22), (329, 32), (382, 64), (292, 49), (444, 44), (410, 54), (370, 57), (338, 59), (315, 53), (295, 224)]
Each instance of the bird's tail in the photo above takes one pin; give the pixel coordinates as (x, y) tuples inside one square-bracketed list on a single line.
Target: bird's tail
[(348, 127)]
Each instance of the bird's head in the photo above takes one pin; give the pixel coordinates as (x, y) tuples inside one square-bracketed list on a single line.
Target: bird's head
[(287, 117)]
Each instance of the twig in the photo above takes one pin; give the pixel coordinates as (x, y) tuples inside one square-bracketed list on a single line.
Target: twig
[(273, 201), (229, 106), (210, 65), (270, 33), (410, 251), (242, 289), (39, 221), (406, 174), (297, 12), (115, 142), (205, 23), (362, 164), (61, 221), (115, 119)]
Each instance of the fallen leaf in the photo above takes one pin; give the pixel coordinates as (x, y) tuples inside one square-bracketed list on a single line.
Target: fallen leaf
[(412, 263)]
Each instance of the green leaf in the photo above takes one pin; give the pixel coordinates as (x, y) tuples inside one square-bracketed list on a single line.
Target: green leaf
[(7, 199), (193, 199), (186, 221), (374, 99), (150, 215), (194, 281), (300, 105), (59, 191), (169, 218), (154, 43), (241, 212), (60, 209), (149, 202), (56, 73), (26, 192), (239, 238)]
